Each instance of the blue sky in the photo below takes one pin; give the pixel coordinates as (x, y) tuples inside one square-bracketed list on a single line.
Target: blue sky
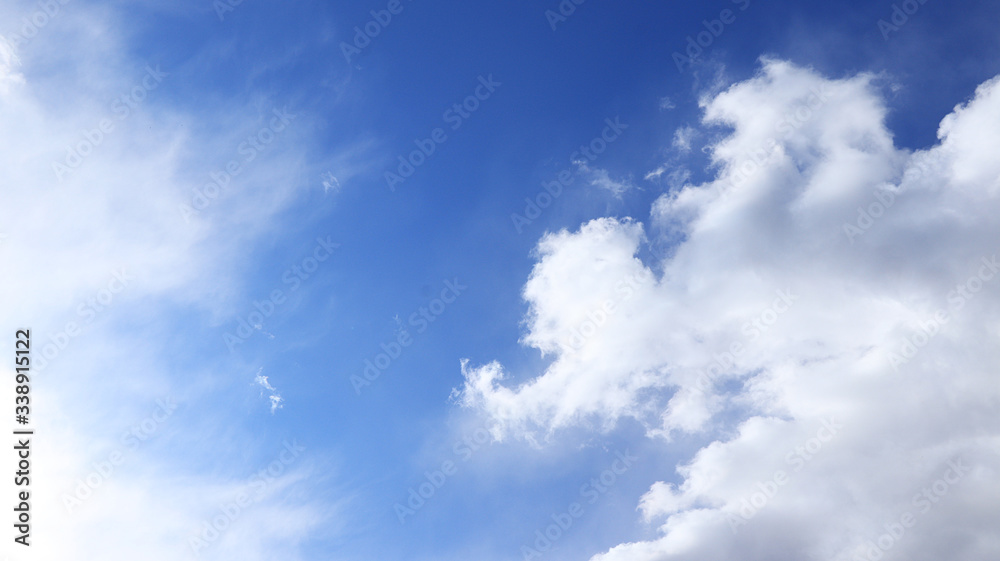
[(438, 261)]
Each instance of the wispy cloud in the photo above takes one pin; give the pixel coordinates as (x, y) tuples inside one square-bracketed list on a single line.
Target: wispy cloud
[(682, 139), (274, 397), (599, 177), (117, 214)]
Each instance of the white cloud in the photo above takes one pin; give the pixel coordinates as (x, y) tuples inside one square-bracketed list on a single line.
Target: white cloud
[(601, 178), (9, 63), (683, 137), (656, 173), (676, 176), (111, 233), (773, 318), (330, 183), (274, 397)]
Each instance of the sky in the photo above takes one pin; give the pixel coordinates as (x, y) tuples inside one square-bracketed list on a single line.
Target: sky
[(578, 280)]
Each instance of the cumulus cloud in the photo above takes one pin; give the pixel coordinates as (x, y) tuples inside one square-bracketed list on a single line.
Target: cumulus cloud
[(825, 323)]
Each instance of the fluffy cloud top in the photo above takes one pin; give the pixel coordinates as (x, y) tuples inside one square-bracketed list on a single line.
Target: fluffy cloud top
[(827, 323)]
